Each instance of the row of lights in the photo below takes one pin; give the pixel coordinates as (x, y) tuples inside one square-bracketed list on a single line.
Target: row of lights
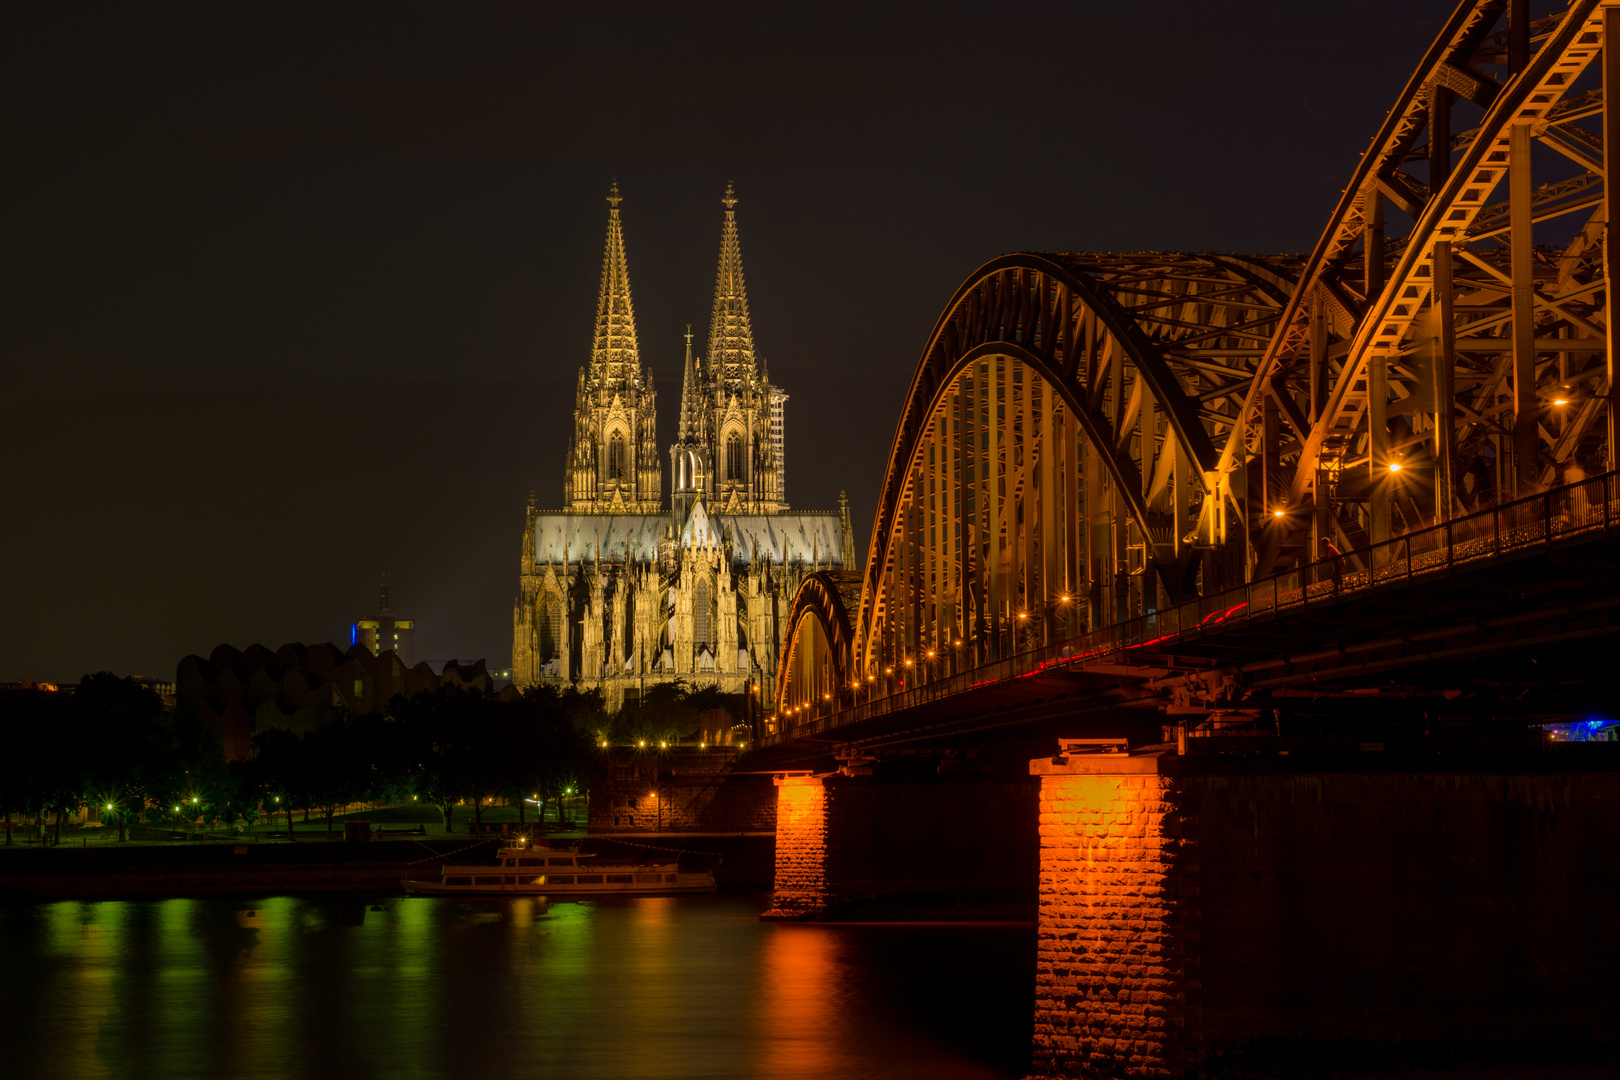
[(856, 685)]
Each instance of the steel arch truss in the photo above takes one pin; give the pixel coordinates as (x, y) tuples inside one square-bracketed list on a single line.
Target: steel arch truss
[(1447, 346), (814, 665), (1052, 464)]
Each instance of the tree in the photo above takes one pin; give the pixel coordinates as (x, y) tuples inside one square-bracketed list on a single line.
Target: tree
[(277, 771), (129, 751), (669, 712), (437, 729), (335, 761), (550, 753), (36, 769)]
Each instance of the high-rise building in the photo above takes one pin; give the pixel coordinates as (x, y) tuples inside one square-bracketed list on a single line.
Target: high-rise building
[(385, 630), (616, 592)]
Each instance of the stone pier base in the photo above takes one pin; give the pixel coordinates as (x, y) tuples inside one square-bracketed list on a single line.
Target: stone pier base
[(1263, 909), (1116, 978)]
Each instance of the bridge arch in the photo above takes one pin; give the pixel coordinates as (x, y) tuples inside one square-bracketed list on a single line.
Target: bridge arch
[(813, 668), (1446, 348), (1062, 424)]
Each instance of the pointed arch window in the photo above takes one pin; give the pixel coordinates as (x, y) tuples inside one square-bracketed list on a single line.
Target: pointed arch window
[(702, 616), (550, 628), (734, 457), (616, 457)]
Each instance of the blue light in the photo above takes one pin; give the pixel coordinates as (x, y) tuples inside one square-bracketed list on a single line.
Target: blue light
[(1594, 724)]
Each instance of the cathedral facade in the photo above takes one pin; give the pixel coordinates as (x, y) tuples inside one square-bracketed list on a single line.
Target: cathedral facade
[(618, 591)]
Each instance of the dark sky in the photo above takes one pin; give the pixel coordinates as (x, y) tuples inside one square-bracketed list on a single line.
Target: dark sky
[(293, 295)]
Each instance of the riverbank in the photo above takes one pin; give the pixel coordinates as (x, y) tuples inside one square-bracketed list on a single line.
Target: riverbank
[(277, 866)]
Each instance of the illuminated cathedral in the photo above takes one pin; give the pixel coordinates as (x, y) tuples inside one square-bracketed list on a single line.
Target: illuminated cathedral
[(618, 591)]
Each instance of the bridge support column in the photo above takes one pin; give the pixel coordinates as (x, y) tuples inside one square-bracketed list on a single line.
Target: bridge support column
[(801, 848), (1116, 985)]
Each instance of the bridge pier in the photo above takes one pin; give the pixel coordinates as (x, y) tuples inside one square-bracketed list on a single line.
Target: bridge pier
[(1301, 909), (904, 841), (1116, 980)]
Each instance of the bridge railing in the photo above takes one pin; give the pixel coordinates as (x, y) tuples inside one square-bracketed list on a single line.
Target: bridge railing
[(1538, 521)]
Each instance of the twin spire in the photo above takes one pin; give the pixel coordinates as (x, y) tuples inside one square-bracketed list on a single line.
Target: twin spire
[(615, 358), (615, 355), (731, 335)]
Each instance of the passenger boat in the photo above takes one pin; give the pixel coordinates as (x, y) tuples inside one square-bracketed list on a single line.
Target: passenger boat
[(535, 868)]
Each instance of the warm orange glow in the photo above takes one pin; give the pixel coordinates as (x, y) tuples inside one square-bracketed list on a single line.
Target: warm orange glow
[(1394, 466), (1279, 513), (930, 654), (826, 697), (1560, 401), (1065, 599), (799, 994), (1023, 614), (908, 663)]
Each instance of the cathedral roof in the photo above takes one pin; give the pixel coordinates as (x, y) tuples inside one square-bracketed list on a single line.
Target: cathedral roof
[(731, 336), (615, 357), (779, 538)]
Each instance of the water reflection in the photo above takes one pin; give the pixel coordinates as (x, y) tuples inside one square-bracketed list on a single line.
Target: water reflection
[(422, 987)]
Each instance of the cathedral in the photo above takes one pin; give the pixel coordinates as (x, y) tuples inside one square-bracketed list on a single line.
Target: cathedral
[(617, 591)]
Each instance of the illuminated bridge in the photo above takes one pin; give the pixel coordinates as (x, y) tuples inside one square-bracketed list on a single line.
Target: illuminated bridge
[(1212, 520), (1101, 454)]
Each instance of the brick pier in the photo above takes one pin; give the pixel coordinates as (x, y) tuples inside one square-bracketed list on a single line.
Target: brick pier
[(1116, 979)]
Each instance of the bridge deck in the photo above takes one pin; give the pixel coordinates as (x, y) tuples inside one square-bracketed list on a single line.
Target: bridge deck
[(1507, 578)]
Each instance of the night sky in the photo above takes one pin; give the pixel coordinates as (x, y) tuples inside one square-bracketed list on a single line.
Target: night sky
[(294, 295)]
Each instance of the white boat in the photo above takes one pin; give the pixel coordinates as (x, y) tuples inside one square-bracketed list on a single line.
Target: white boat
[(535, 868)]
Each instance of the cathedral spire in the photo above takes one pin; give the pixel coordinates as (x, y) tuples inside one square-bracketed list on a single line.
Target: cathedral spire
[(691, 395), (615, 359), (612, 463), (731, 337)]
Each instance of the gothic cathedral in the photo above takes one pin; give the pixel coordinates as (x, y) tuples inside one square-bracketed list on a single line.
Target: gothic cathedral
[(618, 593)]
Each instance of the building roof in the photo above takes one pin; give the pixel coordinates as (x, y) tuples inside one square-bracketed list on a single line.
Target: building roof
[(779, 538)]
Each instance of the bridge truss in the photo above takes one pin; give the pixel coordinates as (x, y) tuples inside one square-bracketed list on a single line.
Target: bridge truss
[(1089, 438)]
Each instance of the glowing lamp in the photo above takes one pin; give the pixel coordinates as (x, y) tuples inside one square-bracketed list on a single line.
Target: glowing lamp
[(1394, 466), (1023, 614), (1065, 599), (1560, 401), (908, 663), (1279, 513)]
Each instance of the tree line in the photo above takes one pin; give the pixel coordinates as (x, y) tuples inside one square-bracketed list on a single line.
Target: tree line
[(111, 746)]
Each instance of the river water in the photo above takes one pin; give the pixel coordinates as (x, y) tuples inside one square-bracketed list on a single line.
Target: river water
[(422, 987)]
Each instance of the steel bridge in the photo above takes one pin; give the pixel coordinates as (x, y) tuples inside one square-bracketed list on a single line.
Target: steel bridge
[(1188, 483)]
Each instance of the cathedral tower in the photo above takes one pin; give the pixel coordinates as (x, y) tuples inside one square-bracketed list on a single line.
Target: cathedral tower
[(613, 455), (729, 451)]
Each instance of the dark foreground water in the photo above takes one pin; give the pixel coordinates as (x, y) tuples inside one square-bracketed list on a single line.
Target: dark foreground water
[(416, 987)]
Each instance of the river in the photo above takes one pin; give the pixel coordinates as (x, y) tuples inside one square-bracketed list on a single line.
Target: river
[(408, 988)]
